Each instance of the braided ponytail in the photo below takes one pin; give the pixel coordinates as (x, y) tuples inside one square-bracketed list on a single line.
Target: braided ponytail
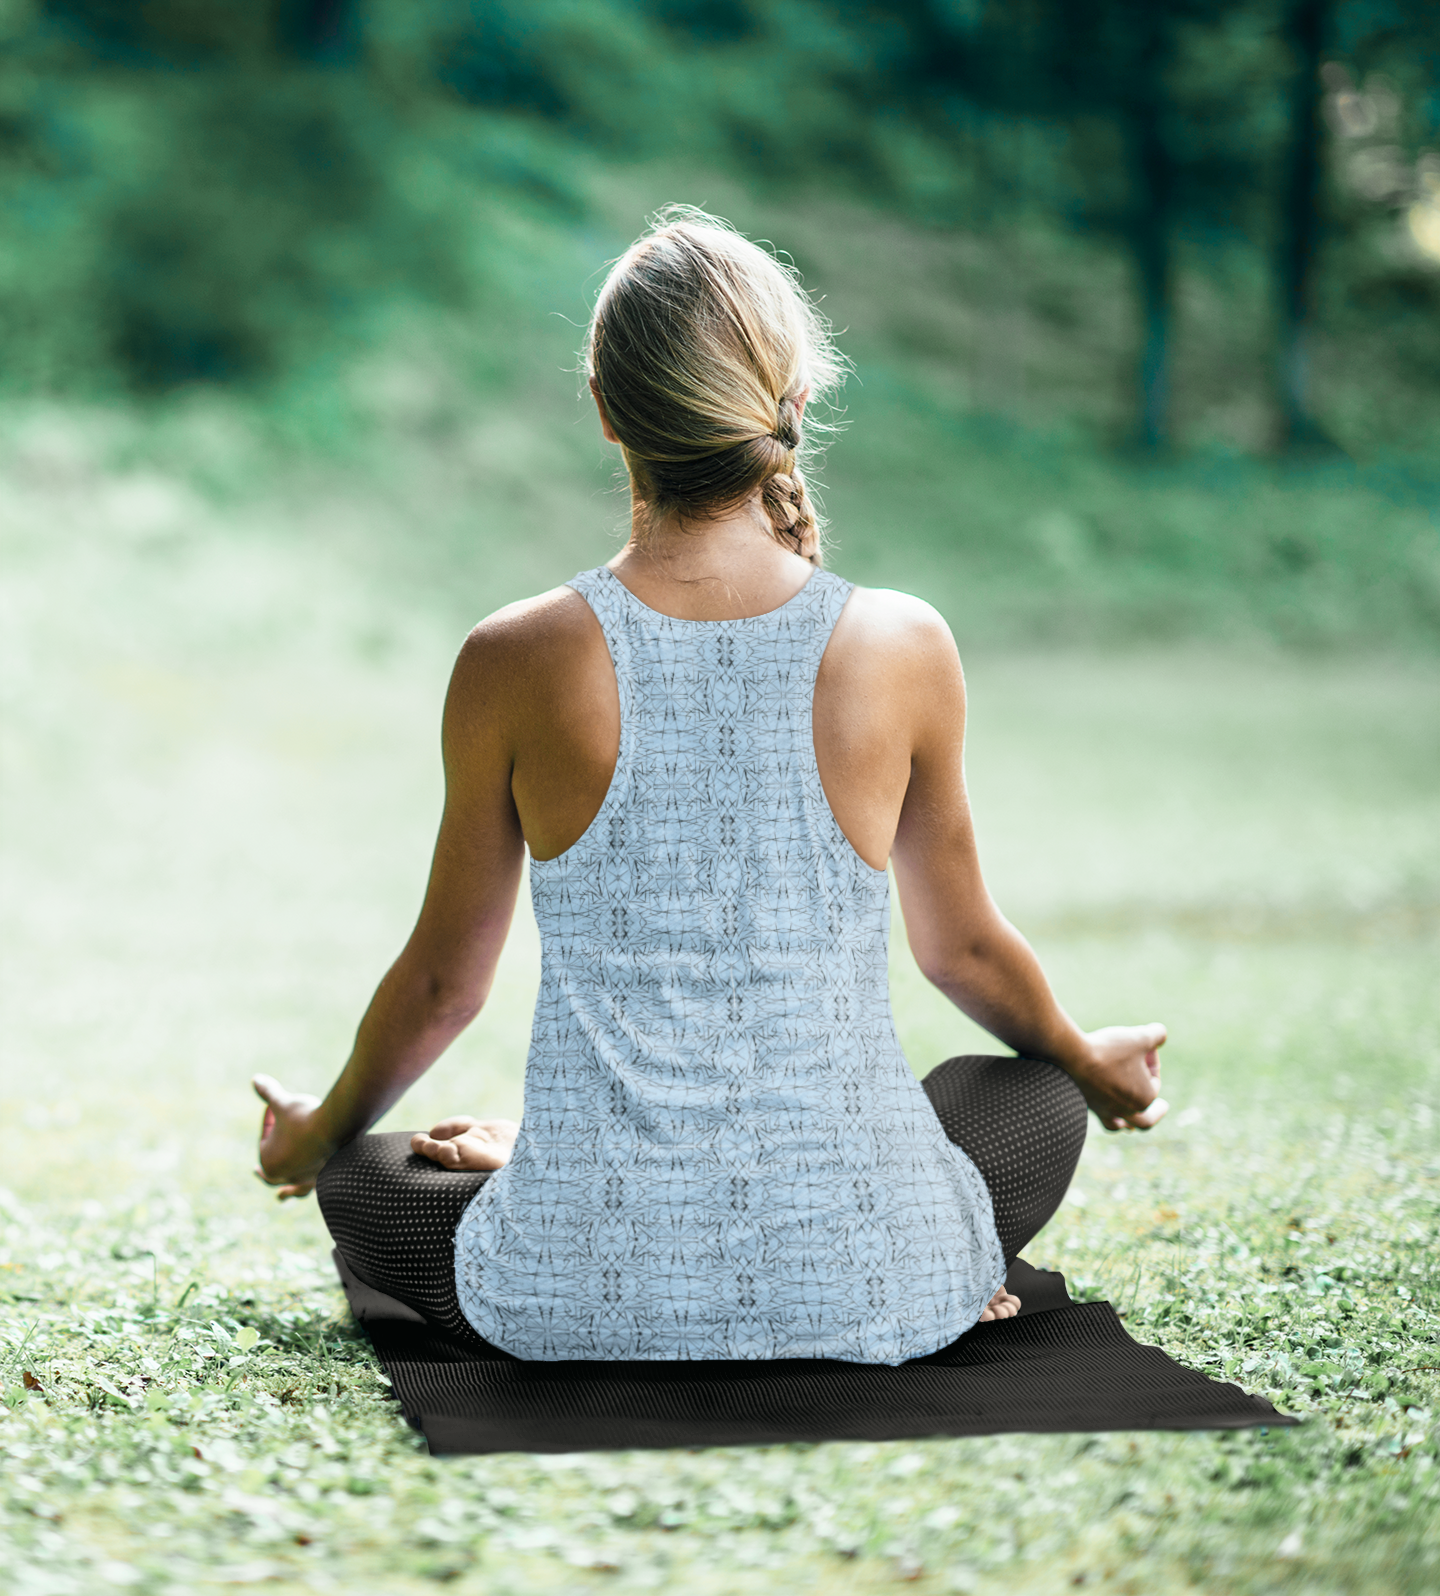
[(705, 349), (792, 515)]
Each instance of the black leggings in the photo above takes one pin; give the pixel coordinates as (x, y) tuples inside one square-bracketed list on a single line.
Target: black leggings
[(393, 1214)]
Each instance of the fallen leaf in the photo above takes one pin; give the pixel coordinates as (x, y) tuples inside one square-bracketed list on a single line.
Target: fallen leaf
[(108, 1389), (31, 1383)]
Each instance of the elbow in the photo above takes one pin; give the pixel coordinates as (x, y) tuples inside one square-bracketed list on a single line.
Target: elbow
[(938, 971), (451, 1005), (944, 976), (955, 968)]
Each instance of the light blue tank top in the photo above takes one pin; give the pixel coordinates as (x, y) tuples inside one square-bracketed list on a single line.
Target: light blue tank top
[(723, 1153)]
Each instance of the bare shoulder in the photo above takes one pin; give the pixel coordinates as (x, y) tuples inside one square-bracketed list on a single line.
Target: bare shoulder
[(885, 611), (526, 636), (523, 654), (529, 627), (896, 632)]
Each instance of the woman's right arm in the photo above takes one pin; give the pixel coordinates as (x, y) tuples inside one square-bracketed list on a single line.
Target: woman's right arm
[(443, 975), (961, 941)]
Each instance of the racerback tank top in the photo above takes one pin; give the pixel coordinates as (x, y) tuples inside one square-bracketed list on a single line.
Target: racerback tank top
[(723, 1153)]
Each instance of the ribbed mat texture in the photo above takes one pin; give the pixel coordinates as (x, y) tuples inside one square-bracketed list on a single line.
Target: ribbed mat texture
[(1058, 1366)]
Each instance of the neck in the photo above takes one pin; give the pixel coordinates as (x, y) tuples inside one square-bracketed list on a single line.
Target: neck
[(713, 570)]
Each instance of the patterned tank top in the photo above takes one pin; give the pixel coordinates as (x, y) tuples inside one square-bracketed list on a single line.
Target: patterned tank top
[(723, 1153)]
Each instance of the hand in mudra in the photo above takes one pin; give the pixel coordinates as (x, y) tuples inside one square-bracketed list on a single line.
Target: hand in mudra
[(467, 1143), (293, 1148), (1121, 1079)]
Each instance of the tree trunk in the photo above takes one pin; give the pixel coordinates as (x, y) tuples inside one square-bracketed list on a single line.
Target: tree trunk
[(1299, 234), (1148, 230), (318, 30)]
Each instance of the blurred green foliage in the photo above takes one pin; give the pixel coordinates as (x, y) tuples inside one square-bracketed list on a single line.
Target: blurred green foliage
[(1045, 226), (222, 193), (201, 192)]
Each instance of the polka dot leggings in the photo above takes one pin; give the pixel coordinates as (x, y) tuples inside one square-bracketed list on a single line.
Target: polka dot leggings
[(393, 1214)]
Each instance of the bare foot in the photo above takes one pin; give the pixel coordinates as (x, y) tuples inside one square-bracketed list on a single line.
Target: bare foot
[(1002, 1306), (467, 1143)]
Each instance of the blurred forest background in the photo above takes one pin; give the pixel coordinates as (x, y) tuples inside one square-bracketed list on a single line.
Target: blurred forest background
[(1143, 295)]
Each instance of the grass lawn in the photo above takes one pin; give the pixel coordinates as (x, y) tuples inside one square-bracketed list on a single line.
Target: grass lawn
[(220, 786)]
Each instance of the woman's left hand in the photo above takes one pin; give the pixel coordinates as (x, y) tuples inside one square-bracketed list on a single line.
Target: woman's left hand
[(1120, 1076), (464, 1142), (292, 1147)]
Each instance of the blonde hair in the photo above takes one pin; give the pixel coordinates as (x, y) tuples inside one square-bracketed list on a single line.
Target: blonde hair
[(700, 347)]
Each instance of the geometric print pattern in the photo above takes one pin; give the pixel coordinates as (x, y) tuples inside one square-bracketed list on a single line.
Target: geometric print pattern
[(723, 1153)]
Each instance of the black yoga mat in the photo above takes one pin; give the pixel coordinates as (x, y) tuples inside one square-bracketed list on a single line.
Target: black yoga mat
[(1058, 1365)]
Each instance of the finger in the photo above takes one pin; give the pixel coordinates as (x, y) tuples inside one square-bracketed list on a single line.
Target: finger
[(457, 1125), (438, 1152), (1151, 1116), (270, 1090)]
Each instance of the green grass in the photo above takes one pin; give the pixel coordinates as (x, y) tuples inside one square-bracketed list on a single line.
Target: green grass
[(219, 786)]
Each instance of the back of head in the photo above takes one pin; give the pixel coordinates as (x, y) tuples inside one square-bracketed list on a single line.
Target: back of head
[(703, 347)]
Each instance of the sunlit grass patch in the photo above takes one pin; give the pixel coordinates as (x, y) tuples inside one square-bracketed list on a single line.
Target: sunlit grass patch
[(238, 1426)]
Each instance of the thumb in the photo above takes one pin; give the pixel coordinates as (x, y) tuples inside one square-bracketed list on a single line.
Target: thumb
[(269, 1090), (1148, 1117), (1152, 1035)]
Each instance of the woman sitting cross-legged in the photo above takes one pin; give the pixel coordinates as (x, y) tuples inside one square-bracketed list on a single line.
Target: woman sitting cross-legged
[(712, 748)]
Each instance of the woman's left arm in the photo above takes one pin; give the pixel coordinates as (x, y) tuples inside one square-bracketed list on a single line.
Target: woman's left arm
[(443, 976)]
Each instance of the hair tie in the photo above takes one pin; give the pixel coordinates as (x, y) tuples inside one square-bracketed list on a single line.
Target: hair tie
[(787, 424)]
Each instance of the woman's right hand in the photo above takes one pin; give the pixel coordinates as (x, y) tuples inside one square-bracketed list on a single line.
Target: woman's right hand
[(1120, 1077), (293, 1148)]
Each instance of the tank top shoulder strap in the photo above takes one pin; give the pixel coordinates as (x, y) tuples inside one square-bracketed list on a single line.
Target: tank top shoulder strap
[(820, 601), (605, 593)]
